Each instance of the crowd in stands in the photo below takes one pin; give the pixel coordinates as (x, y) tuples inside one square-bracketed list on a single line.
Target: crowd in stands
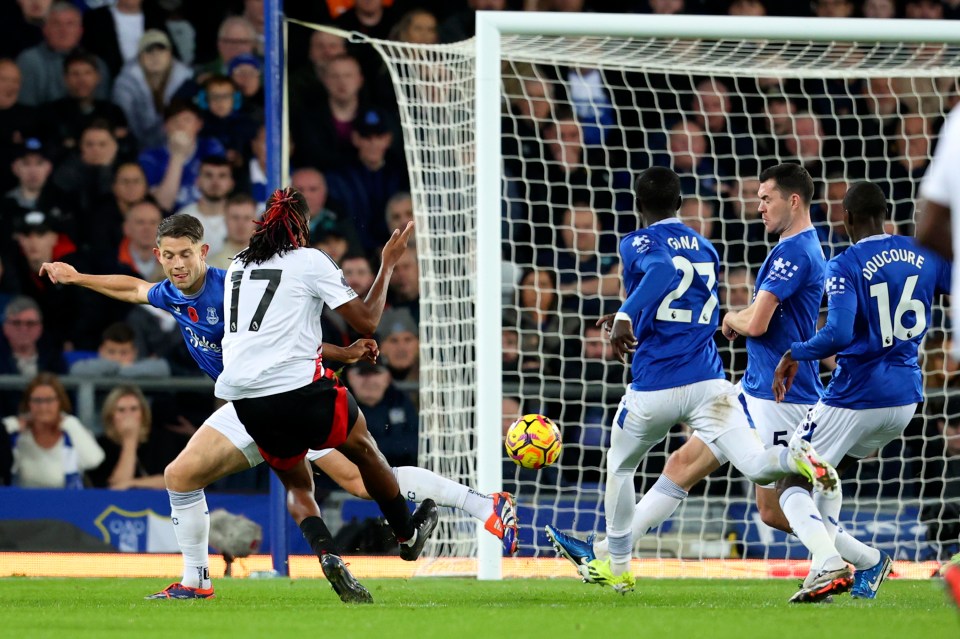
[(117, 113)]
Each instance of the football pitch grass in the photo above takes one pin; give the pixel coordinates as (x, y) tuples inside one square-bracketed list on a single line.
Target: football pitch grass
[(460, 608)]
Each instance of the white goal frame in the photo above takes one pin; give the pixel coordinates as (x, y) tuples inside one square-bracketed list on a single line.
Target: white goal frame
[(490, 27)]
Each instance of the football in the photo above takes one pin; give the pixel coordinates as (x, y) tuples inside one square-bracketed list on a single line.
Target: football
[(533, 441)]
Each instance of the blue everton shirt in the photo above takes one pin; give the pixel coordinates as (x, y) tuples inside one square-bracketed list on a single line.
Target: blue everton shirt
[(675, 328), (880, 293), (793, 272), (200, 317)]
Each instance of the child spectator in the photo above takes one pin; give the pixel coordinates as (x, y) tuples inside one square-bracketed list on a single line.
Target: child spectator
[(117, 356)]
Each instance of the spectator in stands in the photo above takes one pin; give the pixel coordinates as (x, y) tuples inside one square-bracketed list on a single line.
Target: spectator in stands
[(324, 130), (417, 26), (145, 89), (830, 225), (368, 17), (220, 103), (736, 289), (17, 121), (139, 240), (588, 94), (66, 118), (727, 139), (32, 167), (909, 155), (400, 344), (586, 271), (689, 158), (364, 187), (924, 10), (404, 287), (87, 177), (135, 452), (253, 179), (462, 24), (391, 416), (540, 324), (884, 9), (306, 83), (747, 8), (21, 25), (113, 32), (215, 183), (833, 8), (253, 12), (42, 65), (358, 273), (805, 144), (313, 185), (51, 448), (236, 36), (698, 214), (247, 74), (101, 229), (519, 366), (399, 212), (23, 351), (118, 357), (240, 217), (172, 169), (330, 237)]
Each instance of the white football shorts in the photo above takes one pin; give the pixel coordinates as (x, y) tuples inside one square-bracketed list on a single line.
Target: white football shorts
[(775, 423), (844, 432), (224, 420), (710, 408)]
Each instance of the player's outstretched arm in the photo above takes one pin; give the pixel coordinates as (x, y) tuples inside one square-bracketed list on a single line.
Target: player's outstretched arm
[(119, 287), (364, 316), (362, 349)]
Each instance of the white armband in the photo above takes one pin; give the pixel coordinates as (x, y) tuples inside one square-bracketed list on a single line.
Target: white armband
[(621, 316)]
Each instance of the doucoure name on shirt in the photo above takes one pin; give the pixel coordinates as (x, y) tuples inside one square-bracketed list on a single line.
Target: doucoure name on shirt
[(890, 256), (684, 242)]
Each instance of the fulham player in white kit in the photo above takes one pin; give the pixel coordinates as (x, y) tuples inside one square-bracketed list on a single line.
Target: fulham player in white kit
[(287, 400)]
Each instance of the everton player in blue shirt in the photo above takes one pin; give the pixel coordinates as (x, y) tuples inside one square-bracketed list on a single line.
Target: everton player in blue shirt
[(880, 293), (668, 320), (193, 293)]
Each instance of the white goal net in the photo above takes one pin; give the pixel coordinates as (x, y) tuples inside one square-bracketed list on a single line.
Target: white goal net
[(580, 117)]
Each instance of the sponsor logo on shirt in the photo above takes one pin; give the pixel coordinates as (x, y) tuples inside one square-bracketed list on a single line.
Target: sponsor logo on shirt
[(642, 243), (212, 317), (836, 285), (201, 342), (782, 269)]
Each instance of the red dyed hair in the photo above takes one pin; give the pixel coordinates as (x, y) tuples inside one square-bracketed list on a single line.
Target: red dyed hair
[(283, 227)]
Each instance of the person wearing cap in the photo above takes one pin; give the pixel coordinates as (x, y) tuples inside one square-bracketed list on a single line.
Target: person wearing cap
[(400, 344), (246, 71), (32, 166), (391, 416), (145, 87), (365, 186), (42, 65)]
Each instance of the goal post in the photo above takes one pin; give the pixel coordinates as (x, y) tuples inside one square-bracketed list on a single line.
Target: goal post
[(634, 90)]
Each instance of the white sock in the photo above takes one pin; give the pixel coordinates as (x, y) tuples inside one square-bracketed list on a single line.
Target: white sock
[(191, 523), (856, 552), (621, 550), (829, 505), (657, 505), (417, 484), (807, 525)]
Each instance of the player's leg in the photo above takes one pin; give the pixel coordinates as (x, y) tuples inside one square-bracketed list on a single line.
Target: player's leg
[(298, 482), (380, 483), (497, 511), (219, 448)]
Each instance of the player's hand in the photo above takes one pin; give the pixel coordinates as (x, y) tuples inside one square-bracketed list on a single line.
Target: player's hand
[(362, 349), (606, 322), (396, 246), (623, 339), (59, 272), (783, 376), (727, 330)]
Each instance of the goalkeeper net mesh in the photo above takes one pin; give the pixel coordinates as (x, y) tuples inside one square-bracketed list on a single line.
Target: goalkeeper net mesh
[(580, 117)]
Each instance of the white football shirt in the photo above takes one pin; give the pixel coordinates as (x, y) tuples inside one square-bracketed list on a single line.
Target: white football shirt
[(940, 185), (272, 334)]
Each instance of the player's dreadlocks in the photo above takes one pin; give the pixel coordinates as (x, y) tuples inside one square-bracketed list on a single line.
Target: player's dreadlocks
[(283, 227)]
